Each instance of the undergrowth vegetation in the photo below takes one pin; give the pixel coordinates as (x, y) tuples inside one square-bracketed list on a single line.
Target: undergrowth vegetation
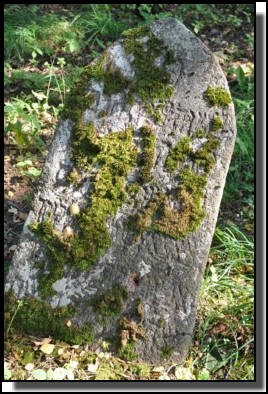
[(46, 48)]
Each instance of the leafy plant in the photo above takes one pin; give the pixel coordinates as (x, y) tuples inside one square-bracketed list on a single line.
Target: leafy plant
[(234, 20), (241, 173)]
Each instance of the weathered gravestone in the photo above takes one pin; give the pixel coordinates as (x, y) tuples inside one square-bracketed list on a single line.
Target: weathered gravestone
[(117, 241)]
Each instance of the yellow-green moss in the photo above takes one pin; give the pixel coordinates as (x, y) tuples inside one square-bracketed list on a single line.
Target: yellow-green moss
[(200, 133), (132, 189), (36, 317), (157, 215), (166, 351), (147, 157), (204, 157), (151, 83), (217, 97), (178, 154), (179, 223), (143, 221), (111, 302), (128, 352), (217, 123), (103, 70), (115, 155), (128, 335), (155, 111), (74, 177), (58, 251)]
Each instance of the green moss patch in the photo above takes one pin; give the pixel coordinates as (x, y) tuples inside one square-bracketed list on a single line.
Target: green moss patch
[(178, 223), (147, 158), (204, 157), (103, 70), (115, 155), (111, 302), (152, 83), (129, 333), (58, 250), (217, 97), (178, 154), (217, 123), (36, 317)]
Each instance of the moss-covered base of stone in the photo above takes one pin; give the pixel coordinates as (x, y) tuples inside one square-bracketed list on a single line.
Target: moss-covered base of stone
[(128, 352), (128, 336), (35, 317)]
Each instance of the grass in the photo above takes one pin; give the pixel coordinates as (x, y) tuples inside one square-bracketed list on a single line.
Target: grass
[(225, 325), (45, 51)]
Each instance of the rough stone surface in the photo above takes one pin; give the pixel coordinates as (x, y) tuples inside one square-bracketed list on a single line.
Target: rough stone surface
[(162, 273)]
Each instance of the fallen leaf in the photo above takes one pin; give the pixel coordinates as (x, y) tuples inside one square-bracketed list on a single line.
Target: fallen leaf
[(70, 375), (39, 374), (29, 367), (158, 369), (45, 340), (156, 372), (13, 247), (13, 210), (23, 215), (59, 374), (47, 348), (93, 367), (50, 374), (73, 364), (249, 226), (164, 377), (182, 373), (10, 193)]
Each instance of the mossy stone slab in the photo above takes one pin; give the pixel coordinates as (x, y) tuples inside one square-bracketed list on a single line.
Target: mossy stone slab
[(125, 212)]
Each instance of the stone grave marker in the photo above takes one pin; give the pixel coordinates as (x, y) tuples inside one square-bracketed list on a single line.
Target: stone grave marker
[(117, 242)]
